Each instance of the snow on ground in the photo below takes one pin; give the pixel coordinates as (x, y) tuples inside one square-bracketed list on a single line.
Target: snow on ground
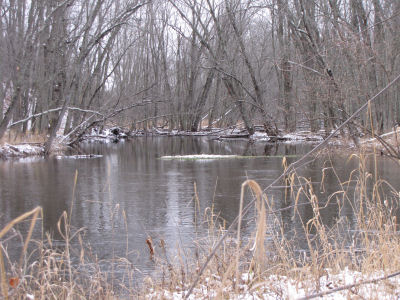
[(109, 134), (385, 135), (294, 137), (105, 136), (303, 136), (260, 136), (98, 139), (116, 134), (21, 150), (282, 287)]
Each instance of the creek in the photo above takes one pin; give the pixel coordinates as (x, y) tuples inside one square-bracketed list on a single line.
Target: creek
[(158, 196)]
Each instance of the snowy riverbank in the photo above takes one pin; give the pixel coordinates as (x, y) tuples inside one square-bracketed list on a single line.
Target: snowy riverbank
[(117, 134), (346, 284), (21, 150)]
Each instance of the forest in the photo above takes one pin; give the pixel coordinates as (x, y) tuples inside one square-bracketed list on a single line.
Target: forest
[(70, 65)]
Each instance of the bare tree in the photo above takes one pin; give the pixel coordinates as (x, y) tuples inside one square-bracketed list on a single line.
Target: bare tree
[(70, 63)]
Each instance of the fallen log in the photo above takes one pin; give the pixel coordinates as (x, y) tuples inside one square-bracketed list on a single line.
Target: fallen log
[(234, 136)]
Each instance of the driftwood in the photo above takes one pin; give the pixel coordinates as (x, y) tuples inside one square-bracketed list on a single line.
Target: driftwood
[(234, 136)]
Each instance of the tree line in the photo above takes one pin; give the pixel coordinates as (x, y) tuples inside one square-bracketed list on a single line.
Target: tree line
[(69, 65)]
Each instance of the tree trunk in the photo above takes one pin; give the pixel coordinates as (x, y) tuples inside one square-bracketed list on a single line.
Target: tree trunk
[(230, 86), (9, 113), (268, 123), (285, 76), (201, 101)]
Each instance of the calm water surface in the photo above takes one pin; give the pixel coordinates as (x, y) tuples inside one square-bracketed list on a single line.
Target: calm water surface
[(157, 196)]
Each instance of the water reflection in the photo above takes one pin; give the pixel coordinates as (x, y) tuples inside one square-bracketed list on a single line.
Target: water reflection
[(157, 196)]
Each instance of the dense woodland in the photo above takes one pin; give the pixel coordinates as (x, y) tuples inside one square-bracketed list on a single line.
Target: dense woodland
[(189, 64)]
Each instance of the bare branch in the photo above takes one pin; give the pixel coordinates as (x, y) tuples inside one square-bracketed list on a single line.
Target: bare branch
[(349, 286), (292, 167), (51, 111), (305, 67), (34, 116)]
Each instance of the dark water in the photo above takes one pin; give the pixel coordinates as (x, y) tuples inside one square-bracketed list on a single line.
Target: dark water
[(157, 196)]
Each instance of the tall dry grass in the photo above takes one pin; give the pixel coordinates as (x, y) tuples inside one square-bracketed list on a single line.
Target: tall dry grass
[(16, 137), (369, 242), (365, 240)]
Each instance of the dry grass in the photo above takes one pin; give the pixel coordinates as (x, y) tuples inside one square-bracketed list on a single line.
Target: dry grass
[(15, 137), (371, 243), (50, 275)]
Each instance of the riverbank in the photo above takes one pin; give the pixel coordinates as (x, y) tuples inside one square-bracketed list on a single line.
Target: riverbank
[(11, 149), (387, 144), (342, 261), (21, 150), (343, 284), (347, 258)]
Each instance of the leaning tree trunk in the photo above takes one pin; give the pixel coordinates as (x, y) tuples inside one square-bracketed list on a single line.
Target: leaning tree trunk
[(232, 91), (201, 101), (269, 126)]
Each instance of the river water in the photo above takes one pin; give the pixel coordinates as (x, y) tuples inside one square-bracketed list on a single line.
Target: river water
[(158, 196)]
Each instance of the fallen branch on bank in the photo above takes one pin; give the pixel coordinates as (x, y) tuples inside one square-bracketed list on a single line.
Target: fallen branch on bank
[(110, 115), (349, 286)]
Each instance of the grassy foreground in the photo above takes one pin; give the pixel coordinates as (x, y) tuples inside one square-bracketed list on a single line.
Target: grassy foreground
[(361, 260)]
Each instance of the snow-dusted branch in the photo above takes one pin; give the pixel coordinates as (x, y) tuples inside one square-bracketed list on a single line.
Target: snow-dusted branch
[(76, 129), (50, 111), (34, 116), (85, 110)]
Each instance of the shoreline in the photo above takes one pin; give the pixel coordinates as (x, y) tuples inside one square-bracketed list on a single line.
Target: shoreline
[(386, 144), (25, 149), (339, 269)]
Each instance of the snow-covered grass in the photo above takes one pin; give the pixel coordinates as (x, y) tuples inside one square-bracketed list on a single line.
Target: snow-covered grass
[(342, 285), (21, 150), (303, 137)]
